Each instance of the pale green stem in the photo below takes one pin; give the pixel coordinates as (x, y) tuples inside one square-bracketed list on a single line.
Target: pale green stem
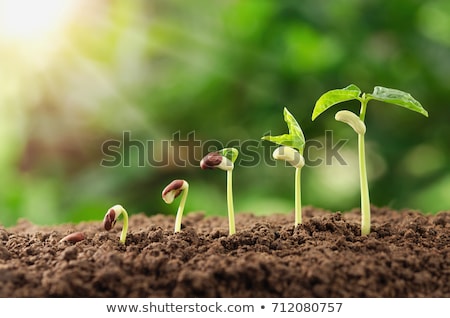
[(365, 200), (298, 197), (180, 211), (123, 235), (232, 229), (362, 112)]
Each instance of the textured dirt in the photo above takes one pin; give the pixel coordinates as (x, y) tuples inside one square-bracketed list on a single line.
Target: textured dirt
[(406, 255)]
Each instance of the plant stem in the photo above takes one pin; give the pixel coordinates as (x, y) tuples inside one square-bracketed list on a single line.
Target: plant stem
[(298, 197), (232, 229), (362, 112), (365, 200), (180, 211), (123, 235)]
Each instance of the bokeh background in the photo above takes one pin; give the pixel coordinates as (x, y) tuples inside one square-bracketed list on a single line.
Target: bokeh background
[(77, 73)]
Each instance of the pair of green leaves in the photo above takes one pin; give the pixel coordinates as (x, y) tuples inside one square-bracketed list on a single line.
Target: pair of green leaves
[(295, 139), (352, 92), (230, 153)]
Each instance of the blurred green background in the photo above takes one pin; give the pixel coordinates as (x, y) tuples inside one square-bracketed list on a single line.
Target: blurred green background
[(74, 74)]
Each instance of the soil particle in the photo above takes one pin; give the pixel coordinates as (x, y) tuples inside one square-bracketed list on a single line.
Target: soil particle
[(407, 254)]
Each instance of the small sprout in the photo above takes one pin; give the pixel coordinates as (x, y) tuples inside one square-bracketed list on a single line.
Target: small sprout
[(291, 151), (216, 160), (352, 92), (172, 191), (224, 159), (73, 237), (111, 217)]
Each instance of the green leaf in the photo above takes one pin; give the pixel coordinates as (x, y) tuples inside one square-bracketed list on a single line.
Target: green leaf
[(334, 97), (230, 153), (294, 130), (295, 138), (397, 97)]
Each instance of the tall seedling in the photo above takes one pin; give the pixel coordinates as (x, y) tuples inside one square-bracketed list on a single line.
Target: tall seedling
[(352, 92)]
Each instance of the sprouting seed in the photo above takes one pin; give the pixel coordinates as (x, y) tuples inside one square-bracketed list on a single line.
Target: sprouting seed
[(111, 217), (224, 159), (172, 191)]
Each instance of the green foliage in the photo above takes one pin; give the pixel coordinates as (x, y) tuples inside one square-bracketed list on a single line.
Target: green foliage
[(352, 92), (334, 97), (295, 139), (397, 97)]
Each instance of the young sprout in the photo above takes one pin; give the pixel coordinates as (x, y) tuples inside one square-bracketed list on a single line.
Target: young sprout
[(172, 191), (111, 217), (291, 150), (224, 159), (352, 92)]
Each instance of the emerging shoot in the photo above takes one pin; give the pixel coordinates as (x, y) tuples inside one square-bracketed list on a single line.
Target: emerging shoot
[(224, 159), (291, 151), (352, 92), (172, 191), (111, 217)]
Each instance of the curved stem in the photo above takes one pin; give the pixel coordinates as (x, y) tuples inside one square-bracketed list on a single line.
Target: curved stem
[(365, 201), (123, 235), (298, 197), (231, 225), (180, 211)]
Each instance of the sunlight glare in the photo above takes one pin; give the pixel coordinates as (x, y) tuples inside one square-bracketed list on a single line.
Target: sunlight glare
[(26, 20)]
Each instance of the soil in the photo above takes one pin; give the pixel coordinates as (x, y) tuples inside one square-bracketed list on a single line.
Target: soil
[(407, 254)]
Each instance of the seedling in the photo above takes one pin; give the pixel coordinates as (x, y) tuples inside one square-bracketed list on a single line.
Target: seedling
[(224, 159), (291, 150), (352, 92), (111, 217), (170, 192)]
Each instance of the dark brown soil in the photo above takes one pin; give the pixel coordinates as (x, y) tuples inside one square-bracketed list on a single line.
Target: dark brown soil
[(406, 255)]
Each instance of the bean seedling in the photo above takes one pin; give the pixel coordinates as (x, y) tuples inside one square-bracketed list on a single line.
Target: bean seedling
[(352, 92), (170, 192), (291, 150), (224, 159), (111, 217)]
